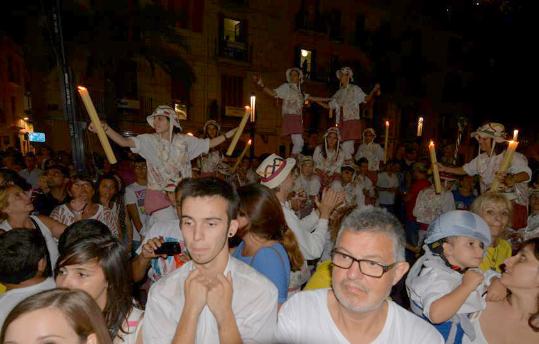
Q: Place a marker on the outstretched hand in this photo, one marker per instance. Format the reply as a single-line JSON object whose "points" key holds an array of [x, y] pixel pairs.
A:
{"points": [[93, 129]]}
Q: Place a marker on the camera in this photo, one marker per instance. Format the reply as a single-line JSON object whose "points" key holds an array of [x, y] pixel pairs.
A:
{"points": [[170, 248]]}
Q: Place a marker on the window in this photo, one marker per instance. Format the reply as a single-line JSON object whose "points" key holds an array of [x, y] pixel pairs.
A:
{"points": [[231, 92], [233, 40]]}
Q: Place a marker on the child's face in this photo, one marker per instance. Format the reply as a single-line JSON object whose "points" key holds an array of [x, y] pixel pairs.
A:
{"points": [[307, 169], [346, 176], [364, 168], [463, 251], [161, 124]]}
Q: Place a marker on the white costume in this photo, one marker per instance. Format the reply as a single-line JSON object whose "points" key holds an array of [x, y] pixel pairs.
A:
{"points": [[429, 205], [254, 304], [305, 318], [373, 152], [486, 167], [310, 186], [385, 180], [63, 214], [331, 164]]}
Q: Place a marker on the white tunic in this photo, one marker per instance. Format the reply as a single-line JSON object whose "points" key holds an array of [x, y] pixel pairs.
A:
{"points": [[331, 164], [311, 186], [208, 162], [254, 304], [292, 97], [168, 163], [348, 98], [486, 167], [305, 318], [429, 205], [373, 152]]}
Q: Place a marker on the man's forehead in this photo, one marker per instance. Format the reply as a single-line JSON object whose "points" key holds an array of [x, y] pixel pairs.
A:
{"points": [[201, 206], [366, 243]]}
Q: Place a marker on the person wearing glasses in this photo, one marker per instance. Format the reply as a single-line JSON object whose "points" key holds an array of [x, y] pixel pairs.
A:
{"points": [[368, 259]]}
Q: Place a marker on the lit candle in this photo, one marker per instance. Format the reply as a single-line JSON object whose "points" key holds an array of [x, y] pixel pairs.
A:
{"points": [[420, 126], [239, 131], [103, 139], [386, 142], [253, 108], [515, 135], [190, 134], [238, 162], [435, 172], [506, 162]]}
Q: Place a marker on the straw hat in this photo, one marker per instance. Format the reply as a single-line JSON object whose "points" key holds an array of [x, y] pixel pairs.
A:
{"points": [[345, 70], [496, 131], [294, 69], [167, 111], [274, 170]]}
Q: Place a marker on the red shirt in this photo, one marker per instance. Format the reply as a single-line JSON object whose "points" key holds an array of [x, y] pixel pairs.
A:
{"points": [[416, 187]]}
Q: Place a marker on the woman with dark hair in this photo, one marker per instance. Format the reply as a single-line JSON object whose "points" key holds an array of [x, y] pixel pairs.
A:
{"points": [[515, 319], [100, 267], [49, 316], [110, 195], [83, 206], [268, 245]]}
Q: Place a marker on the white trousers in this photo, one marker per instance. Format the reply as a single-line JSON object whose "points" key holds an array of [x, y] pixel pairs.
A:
{"points": [[297, 143]]}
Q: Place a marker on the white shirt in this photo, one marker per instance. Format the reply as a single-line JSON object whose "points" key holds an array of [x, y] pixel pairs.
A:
{"points": [[292, 97], [254, 304], [387, 181], [305, 318], [11, 298], [310, 186], [486, 167], [349, 98], [168, 162], [429, 205], [64, 215], [50, 241], [429, 279], [331, 164], [170, 231], [311, 232], [135, 194], [373, 152]]}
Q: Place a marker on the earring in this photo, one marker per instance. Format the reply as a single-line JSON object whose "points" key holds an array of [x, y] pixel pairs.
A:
{"points": [[230, 234]]}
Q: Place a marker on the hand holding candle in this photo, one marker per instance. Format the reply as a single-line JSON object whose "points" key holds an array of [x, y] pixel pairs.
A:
{"points": [[239, 131], [386, 141], [103, 139], [435, 171], [506, 162], [240, 158]]}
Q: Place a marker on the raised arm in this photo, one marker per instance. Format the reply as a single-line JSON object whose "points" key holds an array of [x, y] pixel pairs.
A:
{"points": [[258, 80], [375, 92], [113, 135], [216, 141]]}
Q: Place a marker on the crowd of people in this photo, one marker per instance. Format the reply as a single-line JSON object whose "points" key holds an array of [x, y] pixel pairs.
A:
{"points": [[178, 243]]}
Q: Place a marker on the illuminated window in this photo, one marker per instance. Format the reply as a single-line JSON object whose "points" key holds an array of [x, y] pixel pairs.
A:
{"points": [[306, 62]]}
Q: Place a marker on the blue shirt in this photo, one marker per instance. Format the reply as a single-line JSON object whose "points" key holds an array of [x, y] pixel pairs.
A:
{"points": [[271, 262], [462, 202]]}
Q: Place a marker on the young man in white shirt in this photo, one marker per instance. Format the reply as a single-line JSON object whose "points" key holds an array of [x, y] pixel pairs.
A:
{"points": [[387, 186], [135, 194], [214, 297], [368, 259], [24, 269]]}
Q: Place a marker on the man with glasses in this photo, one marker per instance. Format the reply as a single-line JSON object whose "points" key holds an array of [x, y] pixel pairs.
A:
{"points": [[368, 259]]}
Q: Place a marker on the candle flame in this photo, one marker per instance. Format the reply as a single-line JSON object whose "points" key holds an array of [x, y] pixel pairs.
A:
{"points": [[190, 134], [515, 135], [387, 123], [431, 143], [81, 88], [420, 119], [249, 142], [247, 107]]}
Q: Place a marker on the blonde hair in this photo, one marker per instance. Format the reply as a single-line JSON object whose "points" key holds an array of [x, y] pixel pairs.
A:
{"points": [[490, 197], [4, 195]]}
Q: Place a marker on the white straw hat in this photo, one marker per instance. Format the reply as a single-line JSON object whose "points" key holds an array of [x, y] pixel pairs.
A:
{"points": [[274, 170], [496, 131], [345, 70], [294, 69], [167, 111]]}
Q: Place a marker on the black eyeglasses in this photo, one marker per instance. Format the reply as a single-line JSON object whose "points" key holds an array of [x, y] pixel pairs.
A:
{"points": [[367, 267]]}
